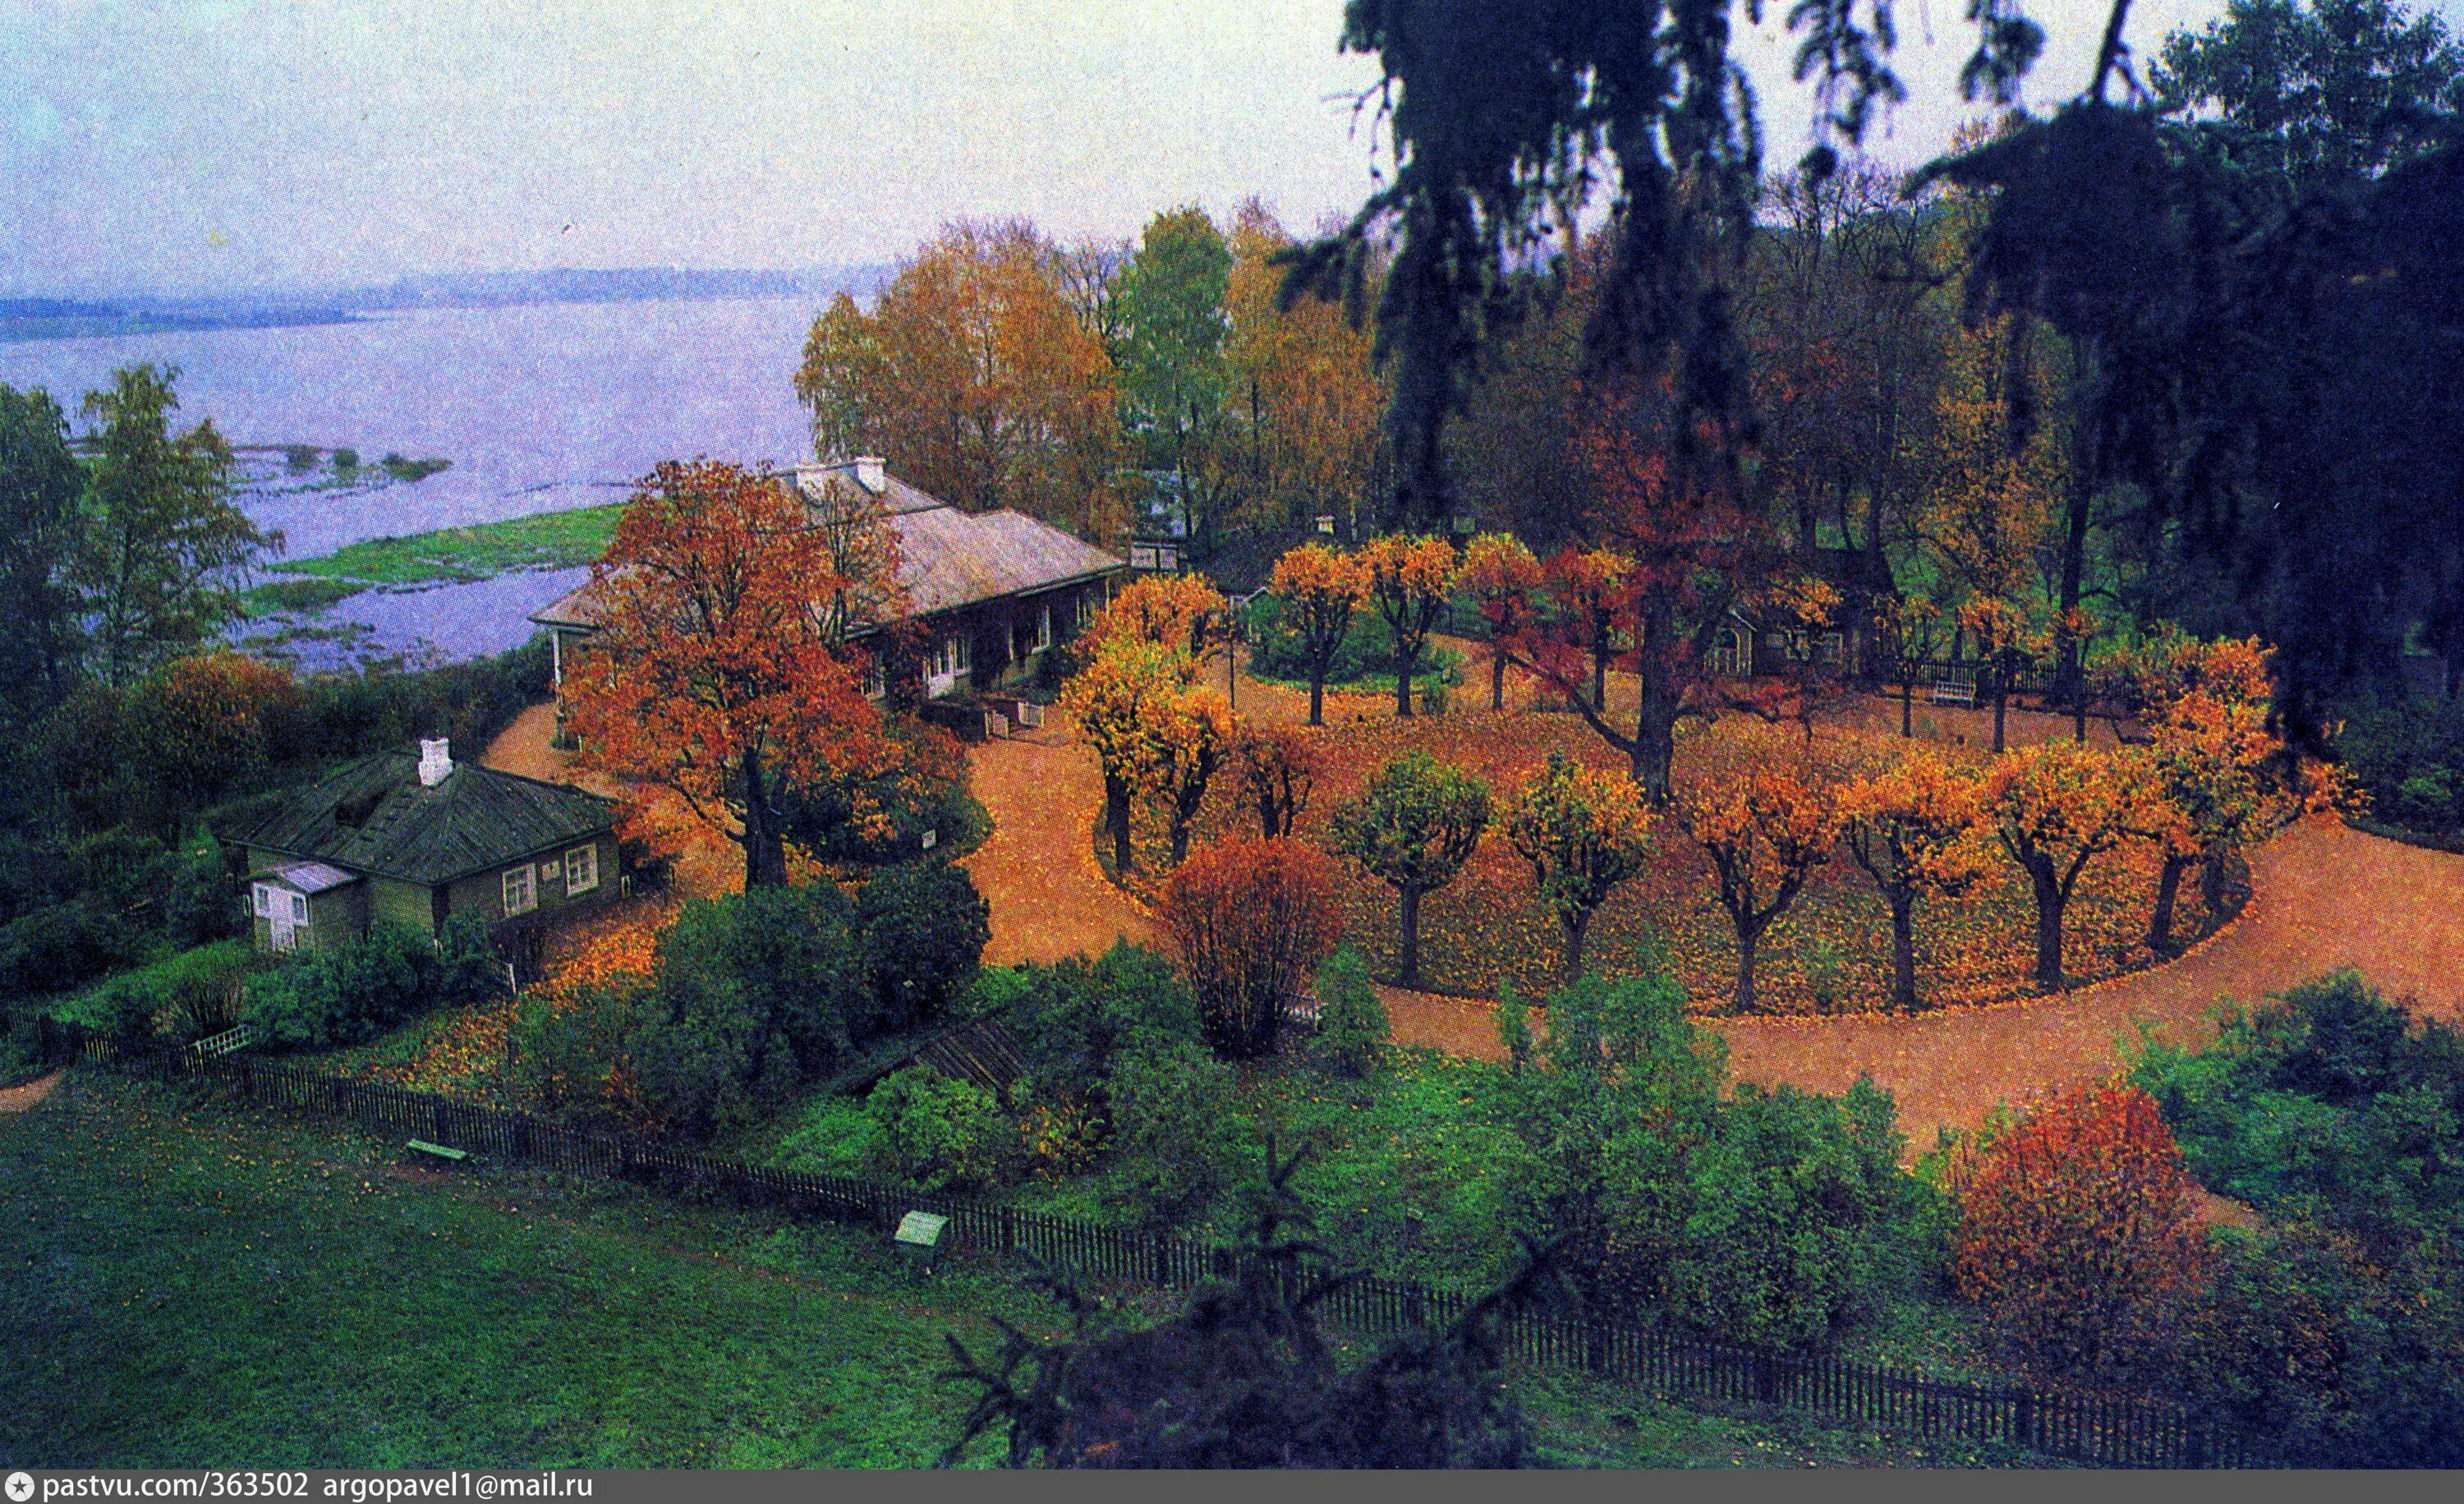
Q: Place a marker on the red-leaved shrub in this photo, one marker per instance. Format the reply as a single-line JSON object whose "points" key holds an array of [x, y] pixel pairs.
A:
{"points": [[1248, 919]]}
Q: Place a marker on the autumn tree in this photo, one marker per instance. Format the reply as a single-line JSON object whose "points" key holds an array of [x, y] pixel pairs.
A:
{"points": [[1303, 398], [1278, 771], [1587, 586], [209, 723], [1500, 574], [1917, 828], [1249, 920], [1179, 613], [1190, 738], [711, 672], [1413, 826], [1584, 832], [2077, 1233], [1914, 628], [1320, 590], [1114, 700], [2056, 807], [975, 379], [161, 540], [1766, 821], [1409, 580]]}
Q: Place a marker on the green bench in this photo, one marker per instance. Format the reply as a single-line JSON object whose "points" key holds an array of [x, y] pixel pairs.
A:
{"points": [[437, 1150]]}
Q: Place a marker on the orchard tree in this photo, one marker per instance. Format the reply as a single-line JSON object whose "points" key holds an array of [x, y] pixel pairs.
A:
{"points": [[161, 538], [1409, 580], [1413, 826], [1584, 832], [2077, 1233], [1190, 738], [1767, 822], [1116, 700], [1249, 920], [711, 672], [1278, 771], [1179, 613], [1500, 575], [1918, 828], [2056, 807], [1320, 589], [1587, 586]]}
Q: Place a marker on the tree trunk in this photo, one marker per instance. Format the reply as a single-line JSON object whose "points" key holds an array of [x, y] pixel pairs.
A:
{"points": [[1408, 972], [1575, 925], [1904, 952], [1749, 936], [765, 850], [1116, 820], [1317, 698], [1403, 666], [2049, 922], [2169, 884], [1600, 667], [1497, 680], [2212, 884]]}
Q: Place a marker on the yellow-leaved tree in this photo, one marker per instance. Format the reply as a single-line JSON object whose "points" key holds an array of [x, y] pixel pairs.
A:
{"points": [[1766, 821], [1584, 832], [1319, 589], [1917, 827], [2058, 805], [1410, 576]]}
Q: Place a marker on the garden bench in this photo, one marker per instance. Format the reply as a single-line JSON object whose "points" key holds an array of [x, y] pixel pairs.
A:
{"points": [[1953, 691], [437, 1150]]}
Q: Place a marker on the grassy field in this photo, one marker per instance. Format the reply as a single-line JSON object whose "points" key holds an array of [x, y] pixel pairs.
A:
{"points": [[188, 1286], [458, 555]]}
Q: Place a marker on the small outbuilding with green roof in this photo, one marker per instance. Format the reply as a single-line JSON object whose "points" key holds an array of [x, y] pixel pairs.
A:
{"points": [[417, 839]]}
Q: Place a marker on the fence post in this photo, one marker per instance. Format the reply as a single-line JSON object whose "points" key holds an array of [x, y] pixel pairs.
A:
{"points": [[2023, 1418]]}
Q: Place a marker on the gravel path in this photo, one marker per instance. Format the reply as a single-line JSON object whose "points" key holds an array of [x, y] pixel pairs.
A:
{"points": [[1038, 868]]}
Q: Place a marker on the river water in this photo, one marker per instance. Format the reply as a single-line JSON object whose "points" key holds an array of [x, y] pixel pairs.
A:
{"points": [[538, 407]]}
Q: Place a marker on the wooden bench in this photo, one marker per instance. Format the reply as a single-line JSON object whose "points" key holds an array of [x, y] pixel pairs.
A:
{"points": [[1952, 692], [437, 1150]]}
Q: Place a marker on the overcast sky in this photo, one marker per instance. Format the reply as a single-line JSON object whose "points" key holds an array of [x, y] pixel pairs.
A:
{"points": [[185, 145]]}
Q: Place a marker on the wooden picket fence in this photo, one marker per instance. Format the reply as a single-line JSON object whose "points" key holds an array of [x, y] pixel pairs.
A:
{"points": [[2101, 1430]]}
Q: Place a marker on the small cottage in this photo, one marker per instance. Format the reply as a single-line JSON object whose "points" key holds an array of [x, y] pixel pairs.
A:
{"points": [[418, 839], [1853, 643], [995, 591]]}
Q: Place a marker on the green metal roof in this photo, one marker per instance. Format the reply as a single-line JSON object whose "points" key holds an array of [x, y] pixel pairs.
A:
{"points": [[374, 816]]}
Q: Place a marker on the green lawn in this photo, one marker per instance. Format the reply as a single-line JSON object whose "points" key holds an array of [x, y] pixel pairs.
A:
{"points": [[455, 555], [189, 1285]]}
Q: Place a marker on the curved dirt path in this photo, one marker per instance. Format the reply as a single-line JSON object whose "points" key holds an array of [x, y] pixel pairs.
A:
{"points": [[1038, 870], [19, 1098], [2327, 896]]}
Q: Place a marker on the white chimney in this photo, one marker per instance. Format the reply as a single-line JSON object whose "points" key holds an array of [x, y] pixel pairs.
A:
{"points": [[869, 474], [436, 761]]}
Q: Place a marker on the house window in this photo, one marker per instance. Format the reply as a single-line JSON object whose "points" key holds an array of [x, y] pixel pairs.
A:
{"points": [[1043, 628], [299, 908], [521, 893], [264, 895], [580, 869]]}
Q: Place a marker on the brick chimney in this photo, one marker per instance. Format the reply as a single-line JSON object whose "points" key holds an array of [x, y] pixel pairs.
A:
{"points": [[435, 761]]}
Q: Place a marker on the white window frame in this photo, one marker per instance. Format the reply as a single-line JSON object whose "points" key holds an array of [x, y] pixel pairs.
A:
{"points": [[299, 908], [582, 858], [263, 892], [529, 887]]}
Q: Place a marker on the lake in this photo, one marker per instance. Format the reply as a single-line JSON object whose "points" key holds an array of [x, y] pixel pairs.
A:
{"points": [[538, 407]]}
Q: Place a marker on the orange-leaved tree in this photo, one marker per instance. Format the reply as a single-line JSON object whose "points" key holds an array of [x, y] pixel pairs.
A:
{"points": [[2056, 807], [1189, 737], [1499, 573], [1918, 828], [204, 722], [1115, 699], [1413, 826], [1177, 611], [1248, 919], [1583, 832], [1320, 590], [1588, 584], [1278, 771], [2077, 1235], [1410, 577], [712, 673], [1766, 821]]}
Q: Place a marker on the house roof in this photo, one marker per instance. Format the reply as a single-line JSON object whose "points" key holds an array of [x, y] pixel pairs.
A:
{"points": [[311, 877], [950, 557], [375, 816]]}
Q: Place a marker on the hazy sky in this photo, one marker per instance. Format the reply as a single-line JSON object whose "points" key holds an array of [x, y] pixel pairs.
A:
{"points": [[179, 144]]}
